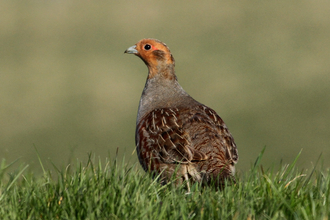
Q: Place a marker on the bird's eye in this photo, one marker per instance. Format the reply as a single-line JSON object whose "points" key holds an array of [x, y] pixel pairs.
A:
{"points": [[147, 47]]}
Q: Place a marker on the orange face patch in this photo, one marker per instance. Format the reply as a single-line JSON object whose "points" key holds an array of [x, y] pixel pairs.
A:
{"points": [[153, 47]]}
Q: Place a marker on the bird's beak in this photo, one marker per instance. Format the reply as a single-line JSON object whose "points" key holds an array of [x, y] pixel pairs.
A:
{"points": [[132, 50]]}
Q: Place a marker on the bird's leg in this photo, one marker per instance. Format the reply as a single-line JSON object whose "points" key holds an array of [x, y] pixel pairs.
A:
{"points": [[187, 180]]}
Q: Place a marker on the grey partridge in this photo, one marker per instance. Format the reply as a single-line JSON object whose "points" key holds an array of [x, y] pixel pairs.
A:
{"points": [[176, 135]]}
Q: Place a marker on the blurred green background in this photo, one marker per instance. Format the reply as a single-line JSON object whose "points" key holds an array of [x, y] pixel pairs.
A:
{"points": [[67, 88]]}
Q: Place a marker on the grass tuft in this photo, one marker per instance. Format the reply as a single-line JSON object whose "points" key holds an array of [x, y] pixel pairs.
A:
{"points": [[113, 190]]}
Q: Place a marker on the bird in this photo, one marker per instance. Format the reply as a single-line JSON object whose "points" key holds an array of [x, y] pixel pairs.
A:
{"points": [[178, 138]]}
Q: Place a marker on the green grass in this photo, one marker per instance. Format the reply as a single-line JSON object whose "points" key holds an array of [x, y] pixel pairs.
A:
{"points": [[114, 190]]}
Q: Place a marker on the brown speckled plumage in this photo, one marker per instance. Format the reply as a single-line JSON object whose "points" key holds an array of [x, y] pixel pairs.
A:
{"points": [[175, 134]]}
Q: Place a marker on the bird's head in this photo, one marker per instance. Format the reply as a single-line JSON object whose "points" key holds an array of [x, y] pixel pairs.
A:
{"points": [[156, 55]]}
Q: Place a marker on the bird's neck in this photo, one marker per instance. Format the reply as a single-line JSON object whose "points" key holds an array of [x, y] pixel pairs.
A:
{"points": [[162, 90], [162, 71]]}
